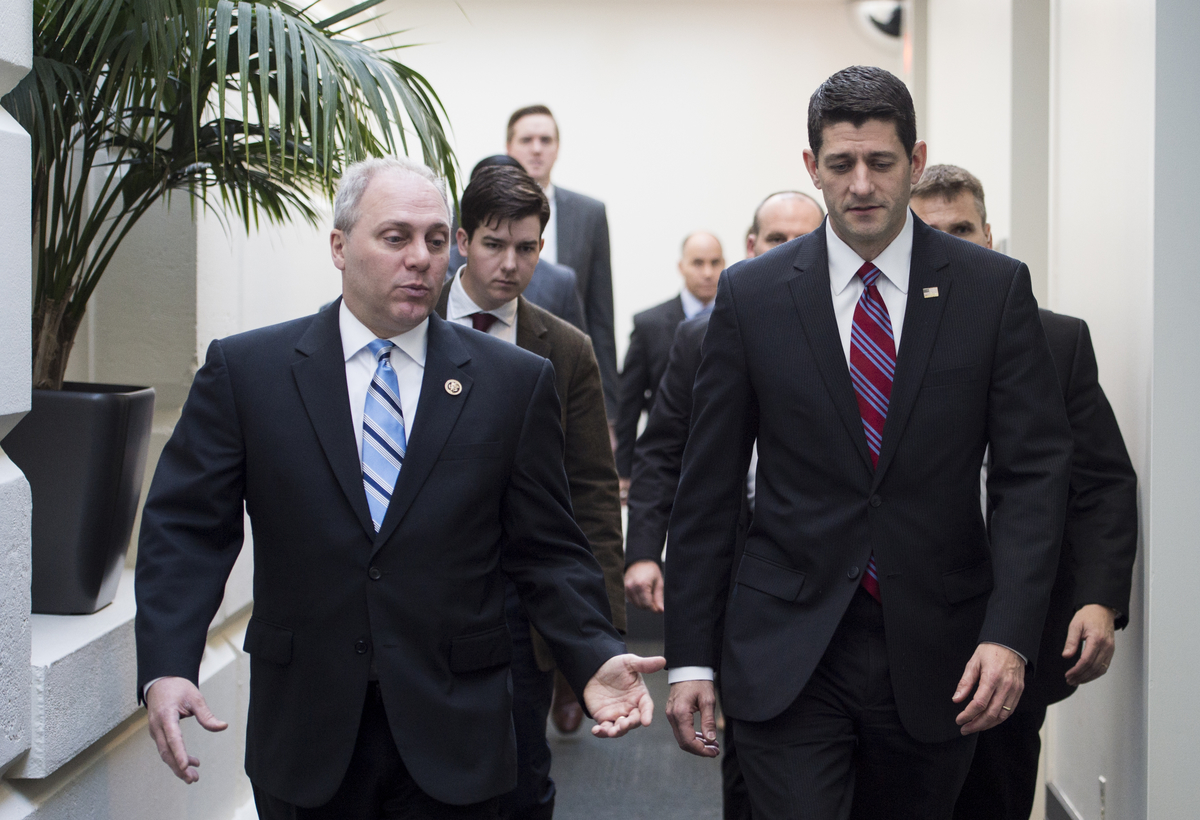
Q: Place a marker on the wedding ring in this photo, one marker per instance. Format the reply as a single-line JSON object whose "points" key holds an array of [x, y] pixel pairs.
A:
{"points": [[1006, 708]]}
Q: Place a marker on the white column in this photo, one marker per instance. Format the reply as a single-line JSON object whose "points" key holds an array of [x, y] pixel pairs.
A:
{"points": [[16, 56]]}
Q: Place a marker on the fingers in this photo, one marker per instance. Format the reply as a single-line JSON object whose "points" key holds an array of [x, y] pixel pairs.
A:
{"points": [[646, 666], [644, 585], [967, 682], [688, 698], [658, 604], [1074, 636], [996, 697], [206, 718], [1094, 661]]}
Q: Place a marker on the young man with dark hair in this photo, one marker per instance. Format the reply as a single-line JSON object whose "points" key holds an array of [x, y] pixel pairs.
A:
{"points": [[503, 214], [873, 624], [1090, 600], [575, 236]]}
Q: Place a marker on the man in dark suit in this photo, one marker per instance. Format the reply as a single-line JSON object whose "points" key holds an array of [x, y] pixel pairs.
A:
{"points": [[576, 236], [701, 261], [873, 627], [1090, 599], [503, 214], [658, 454], [552, 286], [397, 469]]}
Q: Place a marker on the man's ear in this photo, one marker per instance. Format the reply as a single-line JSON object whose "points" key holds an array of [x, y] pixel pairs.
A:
{"points": [[337, 248], [750, 240], [919, 155], [987, 234], [463, 242], [810, 162]]}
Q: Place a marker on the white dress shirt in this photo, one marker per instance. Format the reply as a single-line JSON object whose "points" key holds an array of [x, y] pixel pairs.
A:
{"points": [[692, 306], [460, 306], [550, 233], [409, 365]]}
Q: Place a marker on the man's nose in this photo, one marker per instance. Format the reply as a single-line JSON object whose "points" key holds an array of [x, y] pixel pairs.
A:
{"points": [[509, 261], [860, 180], [418, 255]]}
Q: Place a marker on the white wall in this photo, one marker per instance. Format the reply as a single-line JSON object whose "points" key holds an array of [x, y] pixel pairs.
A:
{"points": [[969, 96], [1102, 268]]}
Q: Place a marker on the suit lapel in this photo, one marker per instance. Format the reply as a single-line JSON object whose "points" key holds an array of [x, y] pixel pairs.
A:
{"points": [[321, 379], [531, 330], [929, 269], [437, 413], [568, 234], [810, 291]]}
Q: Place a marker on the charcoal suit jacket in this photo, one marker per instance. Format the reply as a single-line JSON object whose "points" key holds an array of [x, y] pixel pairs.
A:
{"points": [[645, 362], [482, 494], [1100, 537], [973, 369], [582, 237]]}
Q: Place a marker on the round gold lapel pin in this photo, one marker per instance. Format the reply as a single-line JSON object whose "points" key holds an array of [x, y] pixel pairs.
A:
{"points": [[453, 387]]}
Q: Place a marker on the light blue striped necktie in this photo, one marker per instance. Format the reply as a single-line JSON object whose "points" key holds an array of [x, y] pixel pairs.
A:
{"points": [[383, 438]]}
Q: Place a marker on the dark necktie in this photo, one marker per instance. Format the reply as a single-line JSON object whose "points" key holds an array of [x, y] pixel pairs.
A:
{"points": [[872, 368], [482, 321]]}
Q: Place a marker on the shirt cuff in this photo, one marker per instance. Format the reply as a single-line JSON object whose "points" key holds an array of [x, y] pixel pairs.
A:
{"points": [[1010, 649], [146, 688], [682, 673]]}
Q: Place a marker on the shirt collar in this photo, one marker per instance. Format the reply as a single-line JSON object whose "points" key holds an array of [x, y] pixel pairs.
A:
{"points": [[356, 336], [894, 262], [692, 307], [460, 305]]}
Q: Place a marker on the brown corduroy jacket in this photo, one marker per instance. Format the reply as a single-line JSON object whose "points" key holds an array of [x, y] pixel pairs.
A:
{"points": [[588, 458]]}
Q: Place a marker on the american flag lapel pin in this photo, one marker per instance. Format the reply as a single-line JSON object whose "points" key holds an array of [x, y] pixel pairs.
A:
{"points": [[929, 293]]}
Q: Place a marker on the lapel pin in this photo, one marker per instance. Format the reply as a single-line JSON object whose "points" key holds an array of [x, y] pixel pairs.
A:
{"points": [[930, 293], [453, 387]]}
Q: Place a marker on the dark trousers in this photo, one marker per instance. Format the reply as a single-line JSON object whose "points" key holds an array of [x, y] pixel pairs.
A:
{"points": [[533, 798], [1002, 781], [735, 799], [839, 751], [377, 786]]}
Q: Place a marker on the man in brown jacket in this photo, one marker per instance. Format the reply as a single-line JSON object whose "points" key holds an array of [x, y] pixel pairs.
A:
{"points": [[503, 214]]}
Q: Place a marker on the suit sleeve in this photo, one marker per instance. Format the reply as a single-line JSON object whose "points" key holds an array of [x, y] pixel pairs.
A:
{"points": [[598, 305], [546, 555], [191, 529], [635, 379], [658, 453], [1030, 440], [703, 531], [1102, 515], [592, 476]]}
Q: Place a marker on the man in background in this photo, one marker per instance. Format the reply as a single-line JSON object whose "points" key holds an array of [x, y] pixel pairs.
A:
{"points": [[658, 453], [1090, 599], [553, 287], [503, 215], [576, 236], [701, 261]]}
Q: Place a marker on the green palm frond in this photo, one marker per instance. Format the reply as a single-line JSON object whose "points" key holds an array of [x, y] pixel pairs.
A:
{"points": [[253, 107]]}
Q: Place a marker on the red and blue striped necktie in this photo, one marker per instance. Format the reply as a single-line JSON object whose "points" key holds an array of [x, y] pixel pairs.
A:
{"points": [[872, 368]]}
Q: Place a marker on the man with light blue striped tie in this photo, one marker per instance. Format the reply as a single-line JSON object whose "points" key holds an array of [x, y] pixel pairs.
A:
{"points": [[398, 470]]}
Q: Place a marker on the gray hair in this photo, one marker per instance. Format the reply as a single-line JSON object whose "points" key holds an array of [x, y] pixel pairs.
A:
{"points": [[357, 176]]}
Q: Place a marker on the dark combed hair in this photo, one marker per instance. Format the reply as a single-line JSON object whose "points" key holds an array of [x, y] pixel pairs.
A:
{"points": [[857, 94], [501, 193], [529, 111], [947, 182]]}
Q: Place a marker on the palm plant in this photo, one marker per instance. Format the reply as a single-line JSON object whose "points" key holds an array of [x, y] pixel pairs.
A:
{"points": [[251, 106]]}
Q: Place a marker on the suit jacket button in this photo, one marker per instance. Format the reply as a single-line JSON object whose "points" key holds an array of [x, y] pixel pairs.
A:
{"points": [[360, 647], [852, 573], [876, 501], [374, 573]]}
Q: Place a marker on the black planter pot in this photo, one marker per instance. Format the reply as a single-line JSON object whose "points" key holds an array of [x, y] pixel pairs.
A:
{"points": [[83, 449]]}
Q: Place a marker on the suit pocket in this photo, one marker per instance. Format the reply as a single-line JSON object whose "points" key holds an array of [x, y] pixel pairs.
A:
{"points": [[483, 449], [483, 650], [950, 375], [769, 577], [268, 642], [964, 584]]}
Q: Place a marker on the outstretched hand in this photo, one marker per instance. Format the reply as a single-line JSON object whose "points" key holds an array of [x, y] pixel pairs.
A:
{"points": [[617, 696], [168, 700]]}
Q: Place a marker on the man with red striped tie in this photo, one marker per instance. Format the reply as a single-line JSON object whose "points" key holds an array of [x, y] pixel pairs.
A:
{"points": [[872, 624]]}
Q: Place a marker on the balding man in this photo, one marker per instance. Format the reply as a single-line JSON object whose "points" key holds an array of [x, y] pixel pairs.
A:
{"points": [[658, 454], [700, 264]]}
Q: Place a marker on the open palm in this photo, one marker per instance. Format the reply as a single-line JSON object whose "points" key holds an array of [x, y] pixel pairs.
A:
{"points": [[617, 696]]}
